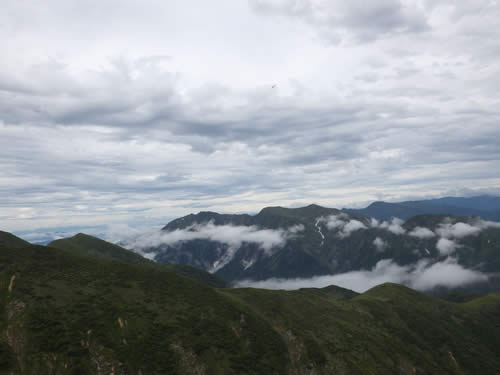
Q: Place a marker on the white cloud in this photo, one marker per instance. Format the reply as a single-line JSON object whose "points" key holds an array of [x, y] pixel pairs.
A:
{"points": [[422, 233], [446, 246], [352, 226], [380, 244], [231, 235], [334, 221], [448, 230], [457, 230], [447, 274], [342, 223], [394, 226], [421, 276]]}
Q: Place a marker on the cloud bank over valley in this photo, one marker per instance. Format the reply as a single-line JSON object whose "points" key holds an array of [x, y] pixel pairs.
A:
{"points": [[423, 276]]}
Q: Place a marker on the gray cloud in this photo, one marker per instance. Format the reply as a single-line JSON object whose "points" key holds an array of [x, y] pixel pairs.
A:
{"points": [[421, 276], [137, 114], [357, 20]]}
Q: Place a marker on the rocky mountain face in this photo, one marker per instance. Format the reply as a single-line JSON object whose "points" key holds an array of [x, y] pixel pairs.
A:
{"points": [[309, 241]]}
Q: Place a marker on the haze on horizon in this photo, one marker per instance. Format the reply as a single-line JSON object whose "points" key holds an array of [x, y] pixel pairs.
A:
{"points": [[128, 113]]}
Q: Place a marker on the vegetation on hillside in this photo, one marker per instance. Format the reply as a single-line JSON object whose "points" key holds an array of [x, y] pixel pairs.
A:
{"points": [[64, 313]]}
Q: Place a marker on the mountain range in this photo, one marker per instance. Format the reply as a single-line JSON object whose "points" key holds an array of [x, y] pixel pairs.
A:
{"points": [[312, 241], [82, 306], [484, 206]]}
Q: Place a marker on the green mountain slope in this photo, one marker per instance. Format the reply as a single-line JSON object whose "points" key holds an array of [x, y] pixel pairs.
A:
{"points": [[84, 244], [63, 313], [92, 246], [8, 239]]}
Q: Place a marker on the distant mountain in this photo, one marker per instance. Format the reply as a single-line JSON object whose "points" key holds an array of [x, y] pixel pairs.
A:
{"points": [[84, 244], [486, 207], [311, 241], [66, 313]]}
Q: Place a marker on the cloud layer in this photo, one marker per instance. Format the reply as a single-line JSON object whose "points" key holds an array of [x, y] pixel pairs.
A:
{"points": [[422, 276], [268, 240], [342, 224], [127, 113]]}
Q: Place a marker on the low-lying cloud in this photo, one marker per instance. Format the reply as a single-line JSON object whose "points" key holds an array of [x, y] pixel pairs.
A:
{"points": [[380, 244], [232, 235], [461, 230], [343, 224], [422, 276], [450, 233], [394, 226], [422, 233], [446, 246], [457, 230]]}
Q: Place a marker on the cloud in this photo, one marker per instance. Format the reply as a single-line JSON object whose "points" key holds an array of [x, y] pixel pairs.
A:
{"points": [[460, 229], [448, 274], [162, 128], [457, 230], [342, 223], [421, 276], [380, 244], [394, 226], [354, 20], [231, 235], [422, 233], [446, 246]]}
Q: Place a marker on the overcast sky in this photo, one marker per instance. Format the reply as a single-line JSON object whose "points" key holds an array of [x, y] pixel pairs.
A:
{"points": [[131, 113]]}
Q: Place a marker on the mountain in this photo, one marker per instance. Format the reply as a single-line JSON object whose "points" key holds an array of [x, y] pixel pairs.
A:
{"points": [[67, 313], [93, 246], [310, 241], [84, 244], [8, 239], [486, 207]]}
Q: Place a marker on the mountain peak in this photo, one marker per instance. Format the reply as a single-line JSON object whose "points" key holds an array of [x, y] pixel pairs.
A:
{"points": [[8, 239]]}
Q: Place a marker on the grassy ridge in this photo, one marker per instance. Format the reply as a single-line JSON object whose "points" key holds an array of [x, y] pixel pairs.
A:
{"points": [[84, 244], [70, 314], [64, 313]]}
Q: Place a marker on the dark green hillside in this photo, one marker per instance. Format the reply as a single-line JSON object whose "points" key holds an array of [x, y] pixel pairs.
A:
{"points": [[199, 275], [67, 314], [8, 239], [63, 313], [388, 330], [91, 246]]}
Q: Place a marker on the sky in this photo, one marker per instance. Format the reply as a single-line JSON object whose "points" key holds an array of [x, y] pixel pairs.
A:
{"points": [[121, 115]]}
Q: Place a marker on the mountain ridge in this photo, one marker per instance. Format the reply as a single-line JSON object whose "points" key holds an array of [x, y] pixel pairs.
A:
{"points": [[312, 241], [457, 206], [66, 313]]}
